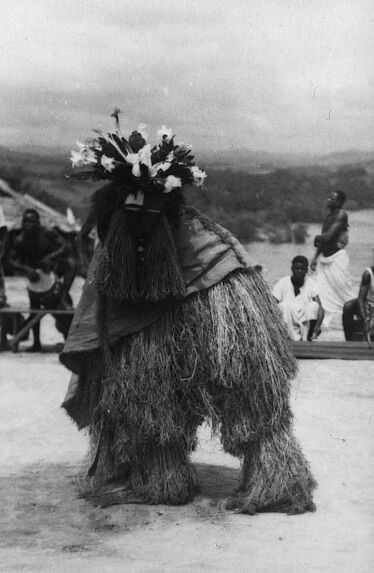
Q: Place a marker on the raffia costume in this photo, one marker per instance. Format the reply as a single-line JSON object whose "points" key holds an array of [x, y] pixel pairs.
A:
{"points": [[194, 335]]}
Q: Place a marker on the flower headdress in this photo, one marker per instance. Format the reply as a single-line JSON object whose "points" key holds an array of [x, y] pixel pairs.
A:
{"points": [[138, 211], [135, 164]]}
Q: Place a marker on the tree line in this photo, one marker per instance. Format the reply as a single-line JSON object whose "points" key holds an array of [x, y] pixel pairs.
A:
{"points": [[251, 205], [248, 203]]}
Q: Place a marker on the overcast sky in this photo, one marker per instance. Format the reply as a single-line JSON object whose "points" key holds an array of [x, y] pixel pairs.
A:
{"points": [[275, 75]]}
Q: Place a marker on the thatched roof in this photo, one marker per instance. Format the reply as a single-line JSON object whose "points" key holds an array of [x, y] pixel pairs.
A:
{"points": [[14, 204]]}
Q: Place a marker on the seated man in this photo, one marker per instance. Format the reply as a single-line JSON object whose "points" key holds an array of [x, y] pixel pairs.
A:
{"points": [[299, 302], [41, 254], [361, 307]]}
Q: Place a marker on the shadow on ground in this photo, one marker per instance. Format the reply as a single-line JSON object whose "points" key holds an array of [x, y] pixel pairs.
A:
{"points": [[42, 508]]}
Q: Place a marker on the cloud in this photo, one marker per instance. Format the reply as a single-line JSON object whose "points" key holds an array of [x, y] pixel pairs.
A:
{"points": [[255, 74]]}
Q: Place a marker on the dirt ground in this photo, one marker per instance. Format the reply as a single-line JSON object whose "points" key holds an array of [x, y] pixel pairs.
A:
{"points": [[46, 527]]}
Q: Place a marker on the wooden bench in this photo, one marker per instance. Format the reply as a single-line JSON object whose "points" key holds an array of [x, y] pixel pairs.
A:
{"points": [[18, 335], [334, 349]]}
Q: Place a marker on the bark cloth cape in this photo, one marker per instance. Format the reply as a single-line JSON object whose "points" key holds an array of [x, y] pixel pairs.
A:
{"points": [[220, 354]]}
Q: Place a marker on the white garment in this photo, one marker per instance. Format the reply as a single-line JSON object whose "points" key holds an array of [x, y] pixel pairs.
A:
{"points": [[2, 218], [298, 310], [334, 281]]}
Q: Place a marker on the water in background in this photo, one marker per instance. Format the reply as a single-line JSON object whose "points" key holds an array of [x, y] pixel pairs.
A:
{"points": [[276, 259]]}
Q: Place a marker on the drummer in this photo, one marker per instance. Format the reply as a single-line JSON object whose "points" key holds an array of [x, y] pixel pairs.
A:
{"points": [[37, 252]]}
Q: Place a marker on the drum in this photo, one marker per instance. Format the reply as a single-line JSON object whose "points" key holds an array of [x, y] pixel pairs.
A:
{"points": [[47, 290]]}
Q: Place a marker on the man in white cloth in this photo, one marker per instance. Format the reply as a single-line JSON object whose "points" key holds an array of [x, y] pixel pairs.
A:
{"points": [[299, 302], [333, 276]]}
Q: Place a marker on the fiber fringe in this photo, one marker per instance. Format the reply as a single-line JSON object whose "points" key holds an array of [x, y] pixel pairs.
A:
{"points": [[275, 477], [221, 356], [115, 274], [160, 276], [122, 274]]}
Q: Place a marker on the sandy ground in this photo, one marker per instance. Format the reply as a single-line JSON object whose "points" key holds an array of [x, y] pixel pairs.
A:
{"points": [[46, 527]]}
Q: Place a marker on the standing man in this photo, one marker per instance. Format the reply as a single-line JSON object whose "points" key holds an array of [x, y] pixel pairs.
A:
{"points": [[36, 252], [3, 238], [362, 307], [299, 302], [333, 277]]}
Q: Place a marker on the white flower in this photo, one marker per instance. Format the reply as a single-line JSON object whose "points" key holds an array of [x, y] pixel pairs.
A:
{"points": [[89, 157], [171, 182], [92, 144], [145, 155], [76, 158], [89, 147], [142, 130], [82, 146], [132, 158], [136, 170], [198, 175], [85, 156], [107, 163], [161, 166], [165, 133]]}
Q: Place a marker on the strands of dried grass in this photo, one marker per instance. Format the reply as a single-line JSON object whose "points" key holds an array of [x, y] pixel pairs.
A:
{"points": [[115, 274], [221, 355], [160, 276], [127, 275], [275, 476]]}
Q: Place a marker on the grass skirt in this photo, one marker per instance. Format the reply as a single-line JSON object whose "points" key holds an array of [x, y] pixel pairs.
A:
{"points": [[221, 356]]}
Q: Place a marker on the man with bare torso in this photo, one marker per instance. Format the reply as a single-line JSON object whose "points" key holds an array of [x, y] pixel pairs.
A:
{"points": [[3, 237], [334, 234], [361, 307], [38, 251], [331, 259]]}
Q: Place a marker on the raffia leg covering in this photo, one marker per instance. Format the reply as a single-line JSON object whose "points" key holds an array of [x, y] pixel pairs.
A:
{"points": [[151, 474], [163, 475], [148, 473], [275, 477]]}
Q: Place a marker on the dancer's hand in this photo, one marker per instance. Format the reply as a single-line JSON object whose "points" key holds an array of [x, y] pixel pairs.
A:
{"points": [[33, 276], [316, 333]]}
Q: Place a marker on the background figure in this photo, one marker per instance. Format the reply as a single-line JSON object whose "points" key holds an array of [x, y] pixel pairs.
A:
{"points": [[3, 238], [299, 302], [361, 308], [43, 256], [333, 276]]}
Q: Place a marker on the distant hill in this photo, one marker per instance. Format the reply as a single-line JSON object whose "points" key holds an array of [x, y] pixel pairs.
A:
{"points": [[245, 189], [242, 159], [263, 161]]}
